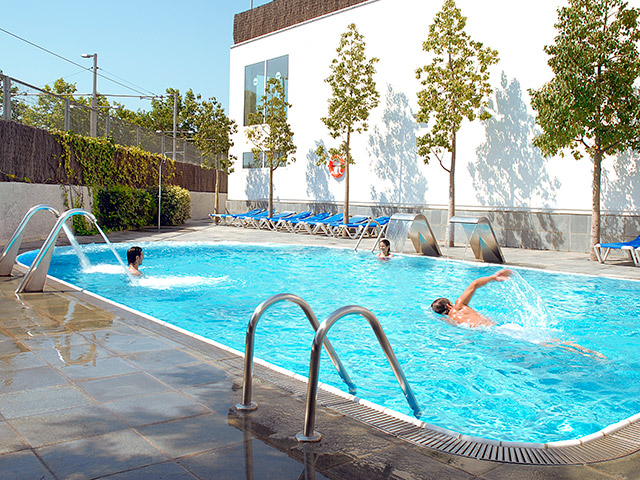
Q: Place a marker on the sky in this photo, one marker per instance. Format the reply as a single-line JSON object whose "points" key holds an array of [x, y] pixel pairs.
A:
{"points": [[148, 46]]}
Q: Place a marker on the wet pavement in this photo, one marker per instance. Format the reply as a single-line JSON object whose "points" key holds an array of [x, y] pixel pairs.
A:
{"points": [[91, 391]]}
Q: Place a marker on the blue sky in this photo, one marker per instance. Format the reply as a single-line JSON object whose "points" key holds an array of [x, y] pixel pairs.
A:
{"points": [[151, 44]]}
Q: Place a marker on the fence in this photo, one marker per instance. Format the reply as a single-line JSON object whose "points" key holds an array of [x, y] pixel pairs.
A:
{"points": [[24, 103]]}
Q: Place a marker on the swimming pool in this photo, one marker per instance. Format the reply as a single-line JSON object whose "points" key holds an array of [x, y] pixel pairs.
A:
{"points": [[479, 382]]}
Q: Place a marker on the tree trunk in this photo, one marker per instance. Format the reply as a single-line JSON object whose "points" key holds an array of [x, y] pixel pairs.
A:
{"points": [[216, 202], [452, 191], [595, 210], [346, 180], [270, 211]]}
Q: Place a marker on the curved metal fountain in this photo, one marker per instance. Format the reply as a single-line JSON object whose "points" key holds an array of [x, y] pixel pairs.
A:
{"points": [[8, 257], [36, 277]]}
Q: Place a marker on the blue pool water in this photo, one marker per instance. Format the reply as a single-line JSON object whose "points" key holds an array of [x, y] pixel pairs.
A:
{"points": [[495, 383]]}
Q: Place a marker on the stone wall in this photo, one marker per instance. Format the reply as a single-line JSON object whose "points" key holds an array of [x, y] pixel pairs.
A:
{"points": [[280, 14]]}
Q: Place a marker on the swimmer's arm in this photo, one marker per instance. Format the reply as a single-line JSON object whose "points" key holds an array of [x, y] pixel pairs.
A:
{"points": [[467, 295]]}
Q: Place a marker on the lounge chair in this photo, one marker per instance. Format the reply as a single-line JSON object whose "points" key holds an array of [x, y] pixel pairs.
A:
{"points": [[282, 223], [309, 224], [292, 225], [269, 222], [602, 250], [228, 217], [315, 227], [374, 227], [351, 229], [252, 220]]}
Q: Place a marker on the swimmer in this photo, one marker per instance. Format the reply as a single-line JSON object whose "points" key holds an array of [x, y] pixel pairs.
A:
{"points": [[385, 249], [135, 257], [460, 313]]}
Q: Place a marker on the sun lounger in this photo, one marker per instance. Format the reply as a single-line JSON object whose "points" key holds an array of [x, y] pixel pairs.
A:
{"points": [[252, 220], [602, 250], [228, 217], [309, 224], [292, 225], [353, 228], [283, 223], [270, 222], [320, 226]]}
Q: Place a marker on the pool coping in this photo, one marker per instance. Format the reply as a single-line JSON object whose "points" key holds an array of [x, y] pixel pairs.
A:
{"points": [[614, 441]]}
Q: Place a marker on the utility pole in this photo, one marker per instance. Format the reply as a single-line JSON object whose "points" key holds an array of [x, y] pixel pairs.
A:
{"points": [[93, 129], [175, 123]]}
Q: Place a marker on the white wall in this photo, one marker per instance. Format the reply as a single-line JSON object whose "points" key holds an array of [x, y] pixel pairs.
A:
{"points": [[497, 165]]}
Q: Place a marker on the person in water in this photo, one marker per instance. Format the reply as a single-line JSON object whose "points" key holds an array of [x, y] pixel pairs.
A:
{"points": [[385, 249], [135, 257], [460, 313]]}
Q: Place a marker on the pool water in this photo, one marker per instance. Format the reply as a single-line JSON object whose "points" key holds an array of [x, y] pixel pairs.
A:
{"points": [[503, 384]]}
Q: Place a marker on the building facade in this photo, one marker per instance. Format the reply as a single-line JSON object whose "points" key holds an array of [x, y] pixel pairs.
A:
{"points": [[532, 201]]}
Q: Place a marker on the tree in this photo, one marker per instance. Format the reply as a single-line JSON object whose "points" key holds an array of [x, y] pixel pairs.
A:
{"points": [[591, 104], [271, 133], [354, 95], [457, 87], [213, 138]]}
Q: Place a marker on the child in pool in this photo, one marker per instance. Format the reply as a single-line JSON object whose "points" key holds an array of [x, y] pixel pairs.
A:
{"points": [[385, 249], [135, 257]]}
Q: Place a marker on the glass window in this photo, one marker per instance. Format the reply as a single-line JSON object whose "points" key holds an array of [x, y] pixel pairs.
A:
{"points": [[279, 68], [253, 88], [249, 161]]}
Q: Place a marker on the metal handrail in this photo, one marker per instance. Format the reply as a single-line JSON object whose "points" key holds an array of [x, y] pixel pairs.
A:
{"points": [[8, 257], [247, 404], [307, 434], [373, 220]]}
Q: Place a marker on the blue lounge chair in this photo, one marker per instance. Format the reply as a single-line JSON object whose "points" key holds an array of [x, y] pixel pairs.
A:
{"points": [[293, 225], [283, 223], [228, 217], [602, 250], [338, 228], [374, 227], [315, 227], [252, 220], [268, 222]]}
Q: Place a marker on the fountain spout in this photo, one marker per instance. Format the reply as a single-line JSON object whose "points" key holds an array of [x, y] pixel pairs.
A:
{"points": [[36, 277], [8, 257]]}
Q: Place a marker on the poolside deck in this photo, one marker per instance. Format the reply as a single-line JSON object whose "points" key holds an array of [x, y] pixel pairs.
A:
{"points": [[89, 391]]}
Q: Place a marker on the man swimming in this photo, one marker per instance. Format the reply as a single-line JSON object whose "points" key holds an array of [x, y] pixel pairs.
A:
{"points": [[135, 257], [460, 313]]}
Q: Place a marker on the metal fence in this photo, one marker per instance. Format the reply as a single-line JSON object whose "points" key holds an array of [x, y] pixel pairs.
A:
{"points": [[24, 103]]}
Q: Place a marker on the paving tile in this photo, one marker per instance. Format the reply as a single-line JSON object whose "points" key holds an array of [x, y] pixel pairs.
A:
{"points": [[159, 471], [122, 386], [192, 435], [161, 407], [22, 466], [159, 359], [98, 456], [29, 378], [98, 367], [549, 472], [131, 343], [191, 375], [41, 400], [251, 459], [9, 440], [65, 425], [62, 354], [19, 359], [52, 341]]}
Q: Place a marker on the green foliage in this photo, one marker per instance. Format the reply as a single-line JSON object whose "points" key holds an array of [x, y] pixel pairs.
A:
{"points": [[591, 103], [456, 82], [270, 131], [175, 207], [213, 138], [122, 207], [354, 93]]}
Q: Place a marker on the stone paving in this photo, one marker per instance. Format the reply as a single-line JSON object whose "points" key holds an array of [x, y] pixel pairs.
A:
{"points": [[91, 391]]}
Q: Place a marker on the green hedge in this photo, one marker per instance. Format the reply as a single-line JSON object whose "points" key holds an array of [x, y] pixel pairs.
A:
{"points": [[122, 208], [176, 204]]}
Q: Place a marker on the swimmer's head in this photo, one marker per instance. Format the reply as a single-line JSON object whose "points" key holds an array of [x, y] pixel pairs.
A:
{"points": [[385, 246], [132, 254], [441, 305]]}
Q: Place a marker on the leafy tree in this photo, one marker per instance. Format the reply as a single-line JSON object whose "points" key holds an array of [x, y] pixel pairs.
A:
{"points": [[213, 138], [457, 87], [354, 95], [591, 104], [271, 133], [160, 117]]}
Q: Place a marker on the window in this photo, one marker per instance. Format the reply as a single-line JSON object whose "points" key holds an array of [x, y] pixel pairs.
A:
{"points": [[249, 161], [255, 79]]}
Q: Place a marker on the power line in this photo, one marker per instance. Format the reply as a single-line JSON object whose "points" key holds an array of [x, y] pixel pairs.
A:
{"points": [[89, 69]]}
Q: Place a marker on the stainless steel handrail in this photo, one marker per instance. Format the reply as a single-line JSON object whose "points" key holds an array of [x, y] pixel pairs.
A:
{"points": [[247, 404], [373, 220], [36, 277], [8, 257], [307, 434]]}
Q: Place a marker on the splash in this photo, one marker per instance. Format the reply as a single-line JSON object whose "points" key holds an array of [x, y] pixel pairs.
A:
{"points": [[530, 310], [170, 282]]}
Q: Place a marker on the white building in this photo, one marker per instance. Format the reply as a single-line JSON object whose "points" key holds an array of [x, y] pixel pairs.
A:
{"points": [[532, 201]]}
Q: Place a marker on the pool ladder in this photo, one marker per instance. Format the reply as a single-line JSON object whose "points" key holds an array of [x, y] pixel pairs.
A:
{"points": [[308, 434]]}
